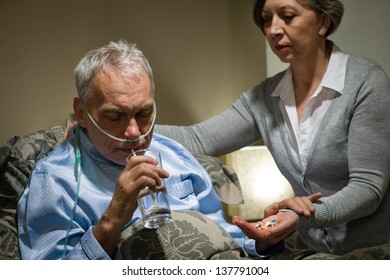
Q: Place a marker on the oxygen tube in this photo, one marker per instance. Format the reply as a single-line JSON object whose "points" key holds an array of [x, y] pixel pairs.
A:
{"points": [[78, 180]]}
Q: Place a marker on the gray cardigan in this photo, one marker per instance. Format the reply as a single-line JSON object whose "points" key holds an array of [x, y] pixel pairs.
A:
{"points": [[349, 161]]}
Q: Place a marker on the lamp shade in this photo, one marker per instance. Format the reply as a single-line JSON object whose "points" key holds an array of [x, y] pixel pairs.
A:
{"points": [[260, 179]]}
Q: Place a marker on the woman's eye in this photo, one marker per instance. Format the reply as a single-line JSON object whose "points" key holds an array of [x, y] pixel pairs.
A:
{"points": [[288, 17], [266, 18]]}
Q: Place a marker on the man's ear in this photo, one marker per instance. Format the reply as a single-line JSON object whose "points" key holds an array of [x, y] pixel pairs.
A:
{"points": [[79, 111]]}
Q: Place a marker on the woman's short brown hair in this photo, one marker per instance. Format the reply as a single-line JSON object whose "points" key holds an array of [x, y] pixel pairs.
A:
{"points": [[334, 9]]}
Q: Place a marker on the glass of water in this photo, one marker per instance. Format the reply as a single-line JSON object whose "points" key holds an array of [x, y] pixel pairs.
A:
{"points": [[154, 205]]}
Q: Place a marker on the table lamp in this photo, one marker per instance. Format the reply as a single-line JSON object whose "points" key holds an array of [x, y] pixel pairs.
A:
{"points": [[260, 179]]}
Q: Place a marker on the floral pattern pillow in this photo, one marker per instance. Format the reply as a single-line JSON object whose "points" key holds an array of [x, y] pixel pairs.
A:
{"points": [[190, 236]]}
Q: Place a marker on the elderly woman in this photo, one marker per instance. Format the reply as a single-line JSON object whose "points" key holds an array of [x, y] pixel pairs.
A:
{"points": [[326, 122]]}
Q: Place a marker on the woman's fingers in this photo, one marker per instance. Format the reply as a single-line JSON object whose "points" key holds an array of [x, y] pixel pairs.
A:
{"points": [[302, 205]]}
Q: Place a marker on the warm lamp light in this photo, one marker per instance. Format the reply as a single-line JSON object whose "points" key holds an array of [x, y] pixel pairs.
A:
{"points": [[260, 179]]}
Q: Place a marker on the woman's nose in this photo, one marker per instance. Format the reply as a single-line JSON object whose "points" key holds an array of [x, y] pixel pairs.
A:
{"points": [[276, 26]]}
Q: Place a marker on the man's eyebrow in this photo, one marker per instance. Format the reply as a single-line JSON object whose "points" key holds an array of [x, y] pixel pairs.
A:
{"points": [[147, 107], [119, 111], [110, 110]]}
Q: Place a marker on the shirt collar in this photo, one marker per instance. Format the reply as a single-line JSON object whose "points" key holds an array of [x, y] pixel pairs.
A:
{"points": [[110, 168], [284, 88], [334, 77]]}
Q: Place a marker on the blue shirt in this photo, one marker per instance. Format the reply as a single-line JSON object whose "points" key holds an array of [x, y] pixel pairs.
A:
{"points": [[46, 205]]}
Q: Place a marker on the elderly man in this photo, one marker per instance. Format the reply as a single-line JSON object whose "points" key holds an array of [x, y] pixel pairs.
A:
{"points": [[81, 197]]}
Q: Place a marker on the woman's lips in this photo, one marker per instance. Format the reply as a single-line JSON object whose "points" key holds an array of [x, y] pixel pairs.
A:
{"points": [[281, 48]]}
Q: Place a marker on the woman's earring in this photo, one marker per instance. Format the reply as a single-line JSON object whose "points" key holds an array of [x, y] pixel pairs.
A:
{"points": [[322, 31]]}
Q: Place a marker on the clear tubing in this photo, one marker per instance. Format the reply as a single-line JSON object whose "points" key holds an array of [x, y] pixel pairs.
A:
{"points": [[127, 140], [76, 199]]}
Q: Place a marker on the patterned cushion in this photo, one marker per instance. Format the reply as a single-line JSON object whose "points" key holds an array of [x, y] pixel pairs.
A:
{"points": [[190, 236], [17, 157], [224, 179]]}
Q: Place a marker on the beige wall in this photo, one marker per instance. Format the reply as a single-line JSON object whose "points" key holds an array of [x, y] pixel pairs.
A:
{"points": [[204, 54]]}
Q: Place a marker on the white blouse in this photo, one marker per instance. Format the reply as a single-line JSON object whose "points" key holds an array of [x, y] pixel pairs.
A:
{"points": [[301, 134]]}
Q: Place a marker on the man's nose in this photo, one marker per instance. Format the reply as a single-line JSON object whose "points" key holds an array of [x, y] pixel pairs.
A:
{"points": [[132, 130]]}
